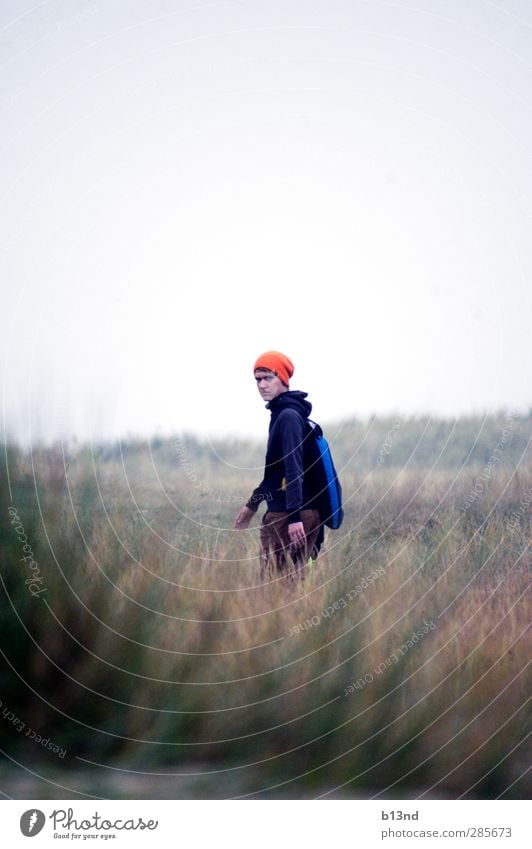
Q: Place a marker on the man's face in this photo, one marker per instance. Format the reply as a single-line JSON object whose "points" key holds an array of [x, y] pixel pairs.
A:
{"points": [[268, 384]]}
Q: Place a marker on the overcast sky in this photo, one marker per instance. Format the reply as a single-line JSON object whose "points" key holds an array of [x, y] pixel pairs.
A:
{"points": [[187, 184]]}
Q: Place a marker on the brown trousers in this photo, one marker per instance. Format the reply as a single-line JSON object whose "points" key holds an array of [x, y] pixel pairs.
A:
{"points": [[275, 542]]}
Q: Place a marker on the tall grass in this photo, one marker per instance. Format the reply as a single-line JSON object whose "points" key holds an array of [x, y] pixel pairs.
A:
{"points": [[396, 668]]}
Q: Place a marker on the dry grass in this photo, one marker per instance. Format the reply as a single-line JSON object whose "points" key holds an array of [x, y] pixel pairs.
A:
{"points": [[157, 648]]}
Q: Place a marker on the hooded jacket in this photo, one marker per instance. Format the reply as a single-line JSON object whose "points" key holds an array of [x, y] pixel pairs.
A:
{"points": [[285, 487]]}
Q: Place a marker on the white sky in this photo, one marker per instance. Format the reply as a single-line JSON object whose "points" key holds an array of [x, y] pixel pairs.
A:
{"points": [[184, 185]]}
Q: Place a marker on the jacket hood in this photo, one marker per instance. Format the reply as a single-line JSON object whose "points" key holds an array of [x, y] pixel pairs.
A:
{"points": [[292, 398]]}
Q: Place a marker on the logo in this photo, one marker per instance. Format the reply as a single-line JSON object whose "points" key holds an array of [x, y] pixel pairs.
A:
{"points": [[31, 822]]}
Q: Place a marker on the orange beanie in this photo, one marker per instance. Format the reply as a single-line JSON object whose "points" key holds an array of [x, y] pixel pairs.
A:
{"points": [[274, 361]]}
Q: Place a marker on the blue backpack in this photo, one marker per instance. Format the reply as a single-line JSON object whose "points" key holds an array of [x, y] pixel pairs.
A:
{"points": [[320, 471]]}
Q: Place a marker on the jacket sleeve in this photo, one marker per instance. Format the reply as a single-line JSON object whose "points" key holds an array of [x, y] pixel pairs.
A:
{"points": [[292, 436], [257, 496]]}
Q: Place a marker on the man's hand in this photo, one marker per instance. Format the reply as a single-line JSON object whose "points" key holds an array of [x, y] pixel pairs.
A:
{"points": [[244, 517], [296, 532]]}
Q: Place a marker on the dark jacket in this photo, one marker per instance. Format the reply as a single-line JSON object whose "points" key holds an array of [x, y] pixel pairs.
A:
{"points": [[285, 486]]}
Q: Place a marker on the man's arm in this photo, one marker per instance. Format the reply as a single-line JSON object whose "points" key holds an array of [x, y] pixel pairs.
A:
{"points": [[292, 436], [257, 496], [246, 513]]}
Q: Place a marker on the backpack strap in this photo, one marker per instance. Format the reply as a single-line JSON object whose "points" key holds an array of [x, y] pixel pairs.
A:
{"points": [[315, 427]]}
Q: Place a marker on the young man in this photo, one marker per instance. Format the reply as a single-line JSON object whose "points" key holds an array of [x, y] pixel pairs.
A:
{"points": [[291, 523]]}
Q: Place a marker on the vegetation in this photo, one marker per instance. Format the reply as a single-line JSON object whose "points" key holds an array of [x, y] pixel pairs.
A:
{"points": [[138, 638]]}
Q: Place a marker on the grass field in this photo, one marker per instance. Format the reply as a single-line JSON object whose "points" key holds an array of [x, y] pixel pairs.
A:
{"points": [[143, 657]]}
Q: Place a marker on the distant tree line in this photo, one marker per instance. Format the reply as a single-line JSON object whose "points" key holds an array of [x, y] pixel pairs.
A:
{"points": [[361, 445]]}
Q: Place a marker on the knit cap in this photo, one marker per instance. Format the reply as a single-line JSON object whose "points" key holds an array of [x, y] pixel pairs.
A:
{"points": [[279, 363]]}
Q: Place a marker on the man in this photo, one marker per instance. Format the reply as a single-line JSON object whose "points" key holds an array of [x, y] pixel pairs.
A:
{"points": [[291, 523]]}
